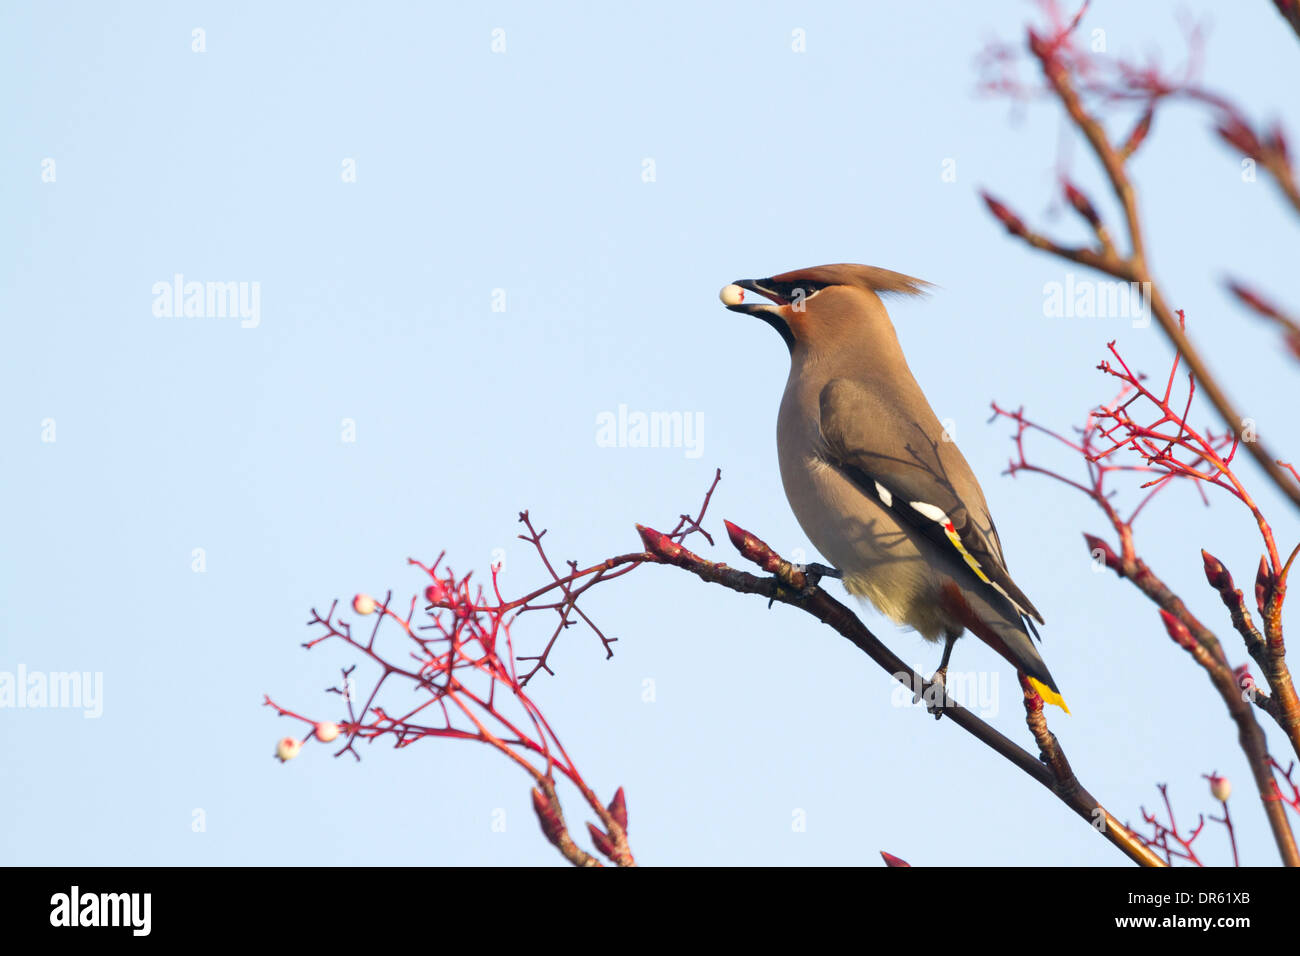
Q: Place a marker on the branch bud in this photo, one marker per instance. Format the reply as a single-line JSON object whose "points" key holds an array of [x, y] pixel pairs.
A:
{"points": [[1253, 300], [1277, 143], [603, 843], [1082, 205], [1263, 585], [1245, 679], [1216, 573], [1177, 630], [552, 825], [659, 544], [1046, 54], [755, 549], [1236, 133], [1004, 216], [1101, 551], [618, 809], [1139, 133]]}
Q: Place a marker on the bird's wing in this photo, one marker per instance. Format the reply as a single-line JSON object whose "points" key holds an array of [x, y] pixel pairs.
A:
{"points": [[903, 460]]}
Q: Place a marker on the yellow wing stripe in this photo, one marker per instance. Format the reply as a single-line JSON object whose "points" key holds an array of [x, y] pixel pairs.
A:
{"points": [[950, 532], [956, 543], [936, 514]]}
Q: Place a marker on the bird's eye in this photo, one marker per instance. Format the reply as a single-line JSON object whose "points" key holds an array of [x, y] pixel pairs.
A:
{"points": [[801, 292], [796, 291]]}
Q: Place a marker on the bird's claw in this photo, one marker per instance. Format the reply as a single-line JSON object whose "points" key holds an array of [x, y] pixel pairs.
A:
{"points": [[936, 695], [813, 574]]}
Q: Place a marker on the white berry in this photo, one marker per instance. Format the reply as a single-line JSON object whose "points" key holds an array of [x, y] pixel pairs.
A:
{"points": [[1220, 788], [287, 748], [732, 294]]}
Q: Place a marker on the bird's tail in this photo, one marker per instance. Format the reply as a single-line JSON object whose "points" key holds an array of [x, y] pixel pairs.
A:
{"points": [[1009, 635], [1018, 648], [1049, 694], [1015, 644]]}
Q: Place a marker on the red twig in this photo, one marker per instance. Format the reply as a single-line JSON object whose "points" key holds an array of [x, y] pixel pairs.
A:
{"points": [[1291, 800], [1166, 838], [460, 661], [1174, 844], [577, 582], [1086, 85], [1146, 432]]}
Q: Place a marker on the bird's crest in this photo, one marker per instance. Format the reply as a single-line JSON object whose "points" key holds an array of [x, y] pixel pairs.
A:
{"points": [[879, 281]]}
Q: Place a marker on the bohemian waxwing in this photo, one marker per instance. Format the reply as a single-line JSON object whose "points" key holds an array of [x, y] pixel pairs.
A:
{"points": [[876, 482]]}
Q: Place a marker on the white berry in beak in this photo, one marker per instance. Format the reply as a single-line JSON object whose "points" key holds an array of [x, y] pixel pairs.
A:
{"points": [[732, 294]]}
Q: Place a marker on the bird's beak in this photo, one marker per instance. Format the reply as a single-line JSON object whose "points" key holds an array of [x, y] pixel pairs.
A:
{"points": [[733, 296]]}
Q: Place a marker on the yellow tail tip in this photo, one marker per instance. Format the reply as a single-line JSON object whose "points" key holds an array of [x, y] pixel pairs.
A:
{"points": [[1049, 696]]}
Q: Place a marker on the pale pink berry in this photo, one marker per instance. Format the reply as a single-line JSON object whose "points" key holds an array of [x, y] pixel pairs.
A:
{"points": [[326, 731], [363, 604], [1220, 788], [288, 748]]}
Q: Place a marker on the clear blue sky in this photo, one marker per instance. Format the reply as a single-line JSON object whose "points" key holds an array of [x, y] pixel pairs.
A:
{"points": [[522, 171]]}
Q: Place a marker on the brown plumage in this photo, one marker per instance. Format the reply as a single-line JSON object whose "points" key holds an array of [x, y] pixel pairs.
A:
{"points": [[873, 478]]}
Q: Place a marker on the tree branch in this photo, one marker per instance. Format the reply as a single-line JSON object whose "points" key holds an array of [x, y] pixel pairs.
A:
{"points": [[1048, 50], [790, 585]]}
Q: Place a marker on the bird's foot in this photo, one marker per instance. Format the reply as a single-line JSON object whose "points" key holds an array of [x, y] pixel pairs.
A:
{"points": [[936, 695], [813, 574]]}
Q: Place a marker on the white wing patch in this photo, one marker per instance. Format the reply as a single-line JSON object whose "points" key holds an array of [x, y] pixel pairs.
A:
{"points": [[933, 512], [885, 496], [939, 517]]}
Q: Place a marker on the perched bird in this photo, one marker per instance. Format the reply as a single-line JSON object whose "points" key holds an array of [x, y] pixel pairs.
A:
{"points": [[875, 480]]}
